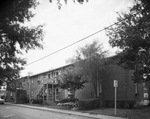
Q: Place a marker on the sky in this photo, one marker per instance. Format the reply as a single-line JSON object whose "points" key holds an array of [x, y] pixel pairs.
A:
{"points": [[67, 25]]}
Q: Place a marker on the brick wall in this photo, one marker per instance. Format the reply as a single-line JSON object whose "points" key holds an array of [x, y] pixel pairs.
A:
{"points": [[86, 93], [126, 88]]}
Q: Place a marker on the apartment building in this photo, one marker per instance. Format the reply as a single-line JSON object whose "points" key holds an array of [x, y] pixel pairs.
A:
{"points": [[44, 86]]}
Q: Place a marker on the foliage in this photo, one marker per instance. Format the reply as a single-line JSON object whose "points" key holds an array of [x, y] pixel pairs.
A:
{"points": [[15, 37], [90, 60], [89, 104], [80, 104], [146, 5], [126, 104], [37, 101], [80, 1], [12, 85], [1, 83], [71, 80], [132, 36], [23, 99], [68, 104], [59, 2], [68, 100]]}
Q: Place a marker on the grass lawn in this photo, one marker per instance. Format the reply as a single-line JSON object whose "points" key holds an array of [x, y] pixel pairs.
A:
{"points": [[137, 113]]}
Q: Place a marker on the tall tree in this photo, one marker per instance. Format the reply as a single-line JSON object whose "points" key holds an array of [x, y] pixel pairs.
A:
{"points": [[89, 60], [15, 37], [132, 35]]}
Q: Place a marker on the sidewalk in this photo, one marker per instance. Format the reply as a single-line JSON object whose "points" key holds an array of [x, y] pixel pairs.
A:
{"points": [[85, 114]]}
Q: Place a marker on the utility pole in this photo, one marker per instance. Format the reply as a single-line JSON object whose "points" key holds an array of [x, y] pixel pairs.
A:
{"points": [[115, 86], [43, 93], [29, 88], [53, 93], [29, 74]]}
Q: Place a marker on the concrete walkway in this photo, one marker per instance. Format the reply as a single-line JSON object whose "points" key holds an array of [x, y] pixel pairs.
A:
{"points": [[96, 116]]}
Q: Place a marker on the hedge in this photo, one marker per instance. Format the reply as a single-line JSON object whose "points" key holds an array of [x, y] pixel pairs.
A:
{"points": [[121, 103]]}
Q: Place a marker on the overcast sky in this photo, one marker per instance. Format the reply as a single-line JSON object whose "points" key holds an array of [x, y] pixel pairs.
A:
{"points": [[68, 25]]}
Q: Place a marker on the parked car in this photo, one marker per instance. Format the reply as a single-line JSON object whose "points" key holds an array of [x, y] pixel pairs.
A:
{"points": [[2, 101]]}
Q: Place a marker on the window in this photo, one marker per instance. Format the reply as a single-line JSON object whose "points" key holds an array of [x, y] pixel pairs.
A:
{"points": [[38, 82], [55, 80], [49, 76], [59, 72], [56, 73]]}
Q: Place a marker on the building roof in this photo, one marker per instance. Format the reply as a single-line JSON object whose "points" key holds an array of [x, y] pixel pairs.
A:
{"points": [[110, 60], [48, 71]]}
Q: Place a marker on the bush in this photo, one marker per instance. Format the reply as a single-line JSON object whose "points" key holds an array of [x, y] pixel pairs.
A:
{"points": [[23, 99], [86, 104], [89, 104], [68, 100], [26, 100], [37, 101], [121, 104]]}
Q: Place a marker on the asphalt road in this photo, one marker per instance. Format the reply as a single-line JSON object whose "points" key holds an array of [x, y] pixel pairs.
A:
{"points": [[14, 112]]}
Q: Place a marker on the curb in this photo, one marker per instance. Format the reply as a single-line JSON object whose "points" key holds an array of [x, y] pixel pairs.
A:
{"points": [[95, 116]]}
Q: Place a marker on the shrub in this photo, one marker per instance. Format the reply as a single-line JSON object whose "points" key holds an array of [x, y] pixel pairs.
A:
{"points": [[68, 100], [23, 99], [109, 104], [26, 100], [121, 104], [82, 104], [37, 101], [68, 104], [89, 104]]}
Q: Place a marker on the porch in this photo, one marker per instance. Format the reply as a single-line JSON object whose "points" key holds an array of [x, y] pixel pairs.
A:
{"points": [[49, 93]]}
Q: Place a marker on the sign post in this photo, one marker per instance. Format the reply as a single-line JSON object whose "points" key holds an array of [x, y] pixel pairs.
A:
{"points": [[115, 85]]}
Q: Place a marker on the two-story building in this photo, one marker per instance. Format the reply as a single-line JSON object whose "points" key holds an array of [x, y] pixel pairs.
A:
{"points": [[44, 86]]}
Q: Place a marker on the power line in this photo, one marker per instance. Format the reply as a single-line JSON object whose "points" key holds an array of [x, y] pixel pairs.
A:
{"points": [[78, 41]]}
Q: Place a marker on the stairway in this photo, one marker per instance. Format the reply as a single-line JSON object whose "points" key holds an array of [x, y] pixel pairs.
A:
{"points": [[38, 89]]}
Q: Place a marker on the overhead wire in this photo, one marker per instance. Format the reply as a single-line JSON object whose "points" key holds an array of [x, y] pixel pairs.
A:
{"points": [[78, 41]]}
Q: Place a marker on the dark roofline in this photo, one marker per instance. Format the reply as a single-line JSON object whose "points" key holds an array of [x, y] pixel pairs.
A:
{"points": [[110, 57], [48, 71]]}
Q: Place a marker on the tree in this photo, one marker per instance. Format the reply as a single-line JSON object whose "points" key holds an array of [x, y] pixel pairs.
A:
{"points": [[90, 60], [15, 37], [145, 4], [71, 81], [132, 35], [80, 1], [59, 2]]}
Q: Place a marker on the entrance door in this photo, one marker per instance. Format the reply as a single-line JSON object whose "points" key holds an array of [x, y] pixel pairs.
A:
{"points": [[53, 93]]}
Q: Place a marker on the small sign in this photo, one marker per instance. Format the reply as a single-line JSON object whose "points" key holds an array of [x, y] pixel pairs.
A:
{"points": [[115, 83]]}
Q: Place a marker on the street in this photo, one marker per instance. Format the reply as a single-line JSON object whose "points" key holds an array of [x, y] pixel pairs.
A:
{"points": [[14, 112]]}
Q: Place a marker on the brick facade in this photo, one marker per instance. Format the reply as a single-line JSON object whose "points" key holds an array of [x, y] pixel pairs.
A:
{"points": [[125, 90]]}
